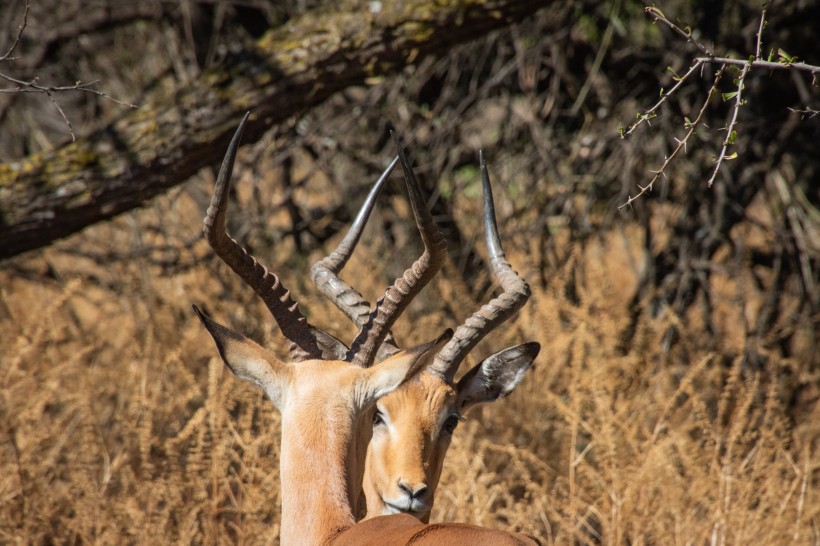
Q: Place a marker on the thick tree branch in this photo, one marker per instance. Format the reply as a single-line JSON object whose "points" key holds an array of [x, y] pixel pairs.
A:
{"points": [[47, 196]]}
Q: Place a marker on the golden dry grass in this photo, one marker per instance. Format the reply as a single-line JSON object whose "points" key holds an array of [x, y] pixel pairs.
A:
{"points": [[119, 425]]}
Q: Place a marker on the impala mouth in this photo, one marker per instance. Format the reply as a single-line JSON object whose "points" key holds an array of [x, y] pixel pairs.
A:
{"points": [[415, 507]]}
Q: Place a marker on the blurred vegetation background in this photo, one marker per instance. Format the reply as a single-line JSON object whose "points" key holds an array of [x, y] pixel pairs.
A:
{"points": [[676, 398]]}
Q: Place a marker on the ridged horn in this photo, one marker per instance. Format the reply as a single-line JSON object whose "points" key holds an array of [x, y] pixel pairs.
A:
{"points": [[325, 272], [515, 294], [404, 289], [266, 284]]}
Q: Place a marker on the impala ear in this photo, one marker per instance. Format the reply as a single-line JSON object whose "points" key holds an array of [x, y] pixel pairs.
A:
{"points": [[497, 375], [402, 366], [247, 359], [332, 348]]}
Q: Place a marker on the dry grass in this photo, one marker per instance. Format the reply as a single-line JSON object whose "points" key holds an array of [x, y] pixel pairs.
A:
{"points": [[119, 425]]}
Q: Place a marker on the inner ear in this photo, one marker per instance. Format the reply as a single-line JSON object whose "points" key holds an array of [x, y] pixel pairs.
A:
{"points": [[497, 375], [332, 348]]}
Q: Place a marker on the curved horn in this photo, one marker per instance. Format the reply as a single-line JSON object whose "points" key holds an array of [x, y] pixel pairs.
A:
{"points": [[325, 272], [398, 296], [515, 294], [266, 284]]}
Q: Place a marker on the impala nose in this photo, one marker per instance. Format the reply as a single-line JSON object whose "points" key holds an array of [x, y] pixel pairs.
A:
{"points": [[414, 491]]}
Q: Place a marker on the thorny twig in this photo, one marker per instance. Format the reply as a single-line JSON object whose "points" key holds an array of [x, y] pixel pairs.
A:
{"points": [[681, 144], [19, 35], [648, 115], [658, 16], [764, 65], [753, 62], [33, 87], [807, 113], [710, 58], [760, 32], [730, 130]]}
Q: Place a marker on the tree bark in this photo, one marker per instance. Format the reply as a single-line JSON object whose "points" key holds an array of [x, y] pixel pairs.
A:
{"points": [[47, 196]]}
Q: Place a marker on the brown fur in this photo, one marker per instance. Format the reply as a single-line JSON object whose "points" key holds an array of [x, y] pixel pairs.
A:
{"points": [[405, 529]]}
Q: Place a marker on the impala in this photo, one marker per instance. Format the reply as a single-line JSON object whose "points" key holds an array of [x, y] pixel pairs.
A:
{"points": [[412, 426], [322, 397]]}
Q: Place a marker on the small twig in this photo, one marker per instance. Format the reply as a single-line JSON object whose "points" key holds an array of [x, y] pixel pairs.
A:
{"points": [[657, 15], [32, 87], [62, 113], [810, 112], [19, 35], [760, 32], [646, 116], [766, 65], [681, 144], [730, 130], [784, 63]]}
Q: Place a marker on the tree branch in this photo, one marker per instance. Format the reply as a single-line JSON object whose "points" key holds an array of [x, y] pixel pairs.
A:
{"points": [[50, 195], [681, 143], [20, 29]]}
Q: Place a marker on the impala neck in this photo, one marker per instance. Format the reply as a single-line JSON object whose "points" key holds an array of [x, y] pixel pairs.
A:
{"points": [[317, 490]]}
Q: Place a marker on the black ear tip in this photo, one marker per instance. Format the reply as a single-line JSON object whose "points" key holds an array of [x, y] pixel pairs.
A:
{"points": [[532, 348], [203, 318]]}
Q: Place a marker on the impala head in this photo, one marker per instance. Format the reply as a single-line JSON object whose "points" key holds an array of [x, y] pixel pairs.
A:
{"points": [[321, 402], [412, 426]]}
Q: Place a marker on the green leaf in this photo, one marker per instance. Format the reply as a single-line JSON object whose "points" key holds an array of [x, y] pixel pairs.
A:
{"points": [[729, 96], [732, 137], [730, 157], [785, 58]]}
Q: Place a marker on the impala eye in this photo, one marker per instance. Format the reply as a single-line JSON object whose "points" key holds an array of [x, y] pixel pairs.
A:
{"points": [[452, 422], [378, 418]]}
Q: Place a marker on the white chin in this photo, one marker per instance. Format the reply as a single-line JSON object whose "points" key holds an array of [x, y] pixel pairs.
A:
{"points": [[390, 510]]}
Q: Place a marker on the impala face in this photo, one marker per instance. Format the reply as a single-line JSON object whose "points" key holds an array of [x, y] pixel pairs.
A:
{"points": [[412, 428]]}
